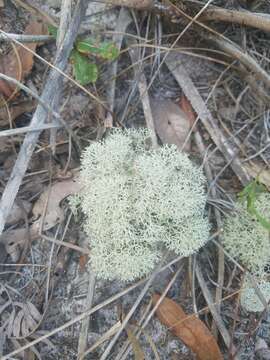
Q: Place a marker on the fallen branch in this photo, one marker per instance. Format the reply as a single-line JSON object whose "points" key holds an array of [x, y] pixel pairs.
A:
{"points": [[39, 118], [246, 18]]}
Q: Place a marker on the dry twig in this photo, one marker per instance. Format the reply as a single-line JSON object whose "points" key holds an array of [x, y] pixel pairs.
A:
{"points": [[39, 117]]}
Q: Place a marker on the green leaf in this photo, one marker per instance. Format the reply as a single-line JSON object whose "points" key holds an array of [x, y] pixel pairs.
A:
{"points": [[53, 30], [105, 50], [85, 72], [249, 193]]}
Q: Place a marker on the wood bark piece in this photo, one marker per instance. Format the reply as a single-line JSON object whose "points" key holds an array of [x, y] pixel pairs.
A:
{"points": [[40, 116], [229, 151]]}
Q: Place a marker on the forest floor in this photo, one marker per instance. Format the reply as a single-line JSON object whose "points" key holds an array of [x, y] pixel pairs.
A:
{"points": [[194, 72]]}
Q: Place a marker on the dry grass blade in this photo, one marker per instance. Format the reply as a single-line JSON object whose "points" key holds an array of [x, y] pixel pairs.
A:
{"points": [[85, 314], [129, 314], [217, 135], [142, 85], [144, 322], [113, 330], [219, 322]]}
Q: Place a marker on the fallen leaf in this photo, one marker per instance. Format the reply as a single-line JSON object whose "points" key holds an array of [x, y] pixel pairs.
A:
{"points": [[188, 109], [15, 110], [18, 212], [16, 68], [171, 123], [189, 329], [25, 320], [51, 199]]}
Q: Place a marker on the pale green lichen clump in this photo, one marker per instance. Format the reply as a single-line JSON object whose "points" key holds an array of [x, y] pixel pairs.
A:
{"points": [[245, 238], [248, 241], [250, 300], [139, 201]]}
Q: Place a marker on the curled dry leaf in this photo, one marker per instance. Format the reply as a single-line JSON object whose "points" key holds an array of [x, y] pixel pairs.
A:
{"points": [[18, 63], [50, 201], [25, 320], [191, 330], [171, 123]]}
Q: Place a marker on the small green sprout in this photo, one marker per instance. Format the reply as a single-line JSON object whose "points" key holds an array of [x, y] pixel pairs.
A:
{"points": [[86, 71]]}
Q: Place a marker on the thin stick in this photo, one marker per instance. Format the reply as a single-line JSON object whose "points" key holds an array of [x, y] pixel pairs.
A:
{"points": [[142, 85], [193, 95], [85, 322], [152, 312], [218, 320], [25, 38], [129, 315], [25, 129], [85, 314], [246, 18], [39, 118]]}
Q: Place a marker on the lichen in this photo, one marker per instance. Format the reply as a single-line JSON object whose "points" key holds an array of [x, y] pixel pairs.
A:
{"points": [[250, 300], [138, 201], [244, 236]]}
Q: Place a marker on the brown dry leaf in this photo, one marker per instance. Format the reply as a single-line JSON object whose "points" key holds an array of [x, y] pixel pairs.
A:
{"points": [[15, 239], [9, 64], [18, 212], [171, 123], [188, 109], [50, 200], [14, 111], [191, 330]]}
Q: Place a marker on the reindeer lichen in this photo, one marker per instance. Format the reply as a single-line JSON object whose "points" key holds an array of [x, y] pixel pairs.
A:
{"points": [[137, 202]]}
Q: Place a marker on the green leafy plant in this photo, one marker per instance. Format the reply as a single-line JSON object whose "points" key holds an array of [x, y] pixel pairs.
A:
{"points": [[139, 201], [249, 194], [84, 69]]}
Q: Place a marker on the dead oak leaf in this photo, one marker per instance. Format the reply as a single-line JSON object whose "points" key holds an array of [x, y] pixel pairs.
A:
{"points": [[19, 61], [171, 123], [189, 329], [50, 201]]}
